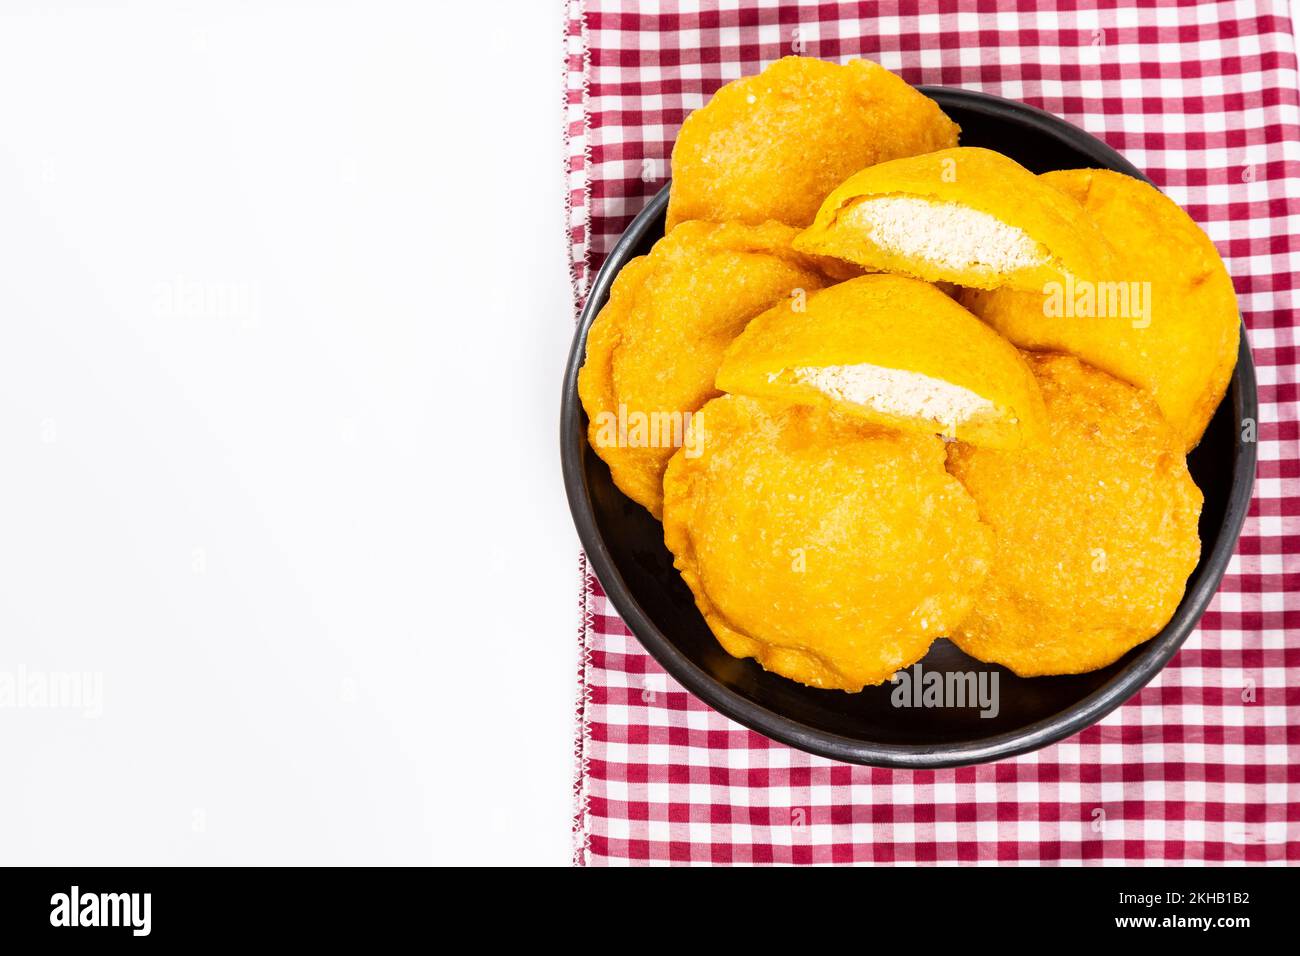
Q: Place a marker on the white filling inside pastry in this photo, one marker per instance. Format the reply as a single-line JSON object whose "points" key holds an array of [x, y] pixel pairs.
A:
{"points": [[947, 234], [893, 391]]}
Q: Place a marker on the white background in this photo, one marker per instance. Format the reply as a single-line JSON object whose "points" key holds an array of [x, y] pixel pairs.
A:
{"points": [[283, 310]]}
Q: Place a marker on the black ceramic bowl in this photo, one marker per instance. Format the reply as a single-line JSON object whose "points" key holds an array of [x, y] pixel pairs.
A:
{"points": [[625, 546]]}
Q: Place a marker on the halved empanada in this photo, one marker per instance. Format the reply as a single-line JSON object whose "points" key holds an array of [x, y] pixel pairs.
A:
{"points": [[895, 351], [966, 215]]}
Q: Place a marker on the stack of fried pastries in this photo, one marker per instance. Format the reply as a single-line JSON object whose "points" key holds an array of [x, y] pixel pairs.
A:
{"points": [[883, 389]]}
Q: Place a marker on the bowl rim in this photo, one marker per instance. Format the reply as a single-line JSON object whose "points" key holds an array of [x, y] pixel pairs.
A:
{"points": [[1155, 653]]}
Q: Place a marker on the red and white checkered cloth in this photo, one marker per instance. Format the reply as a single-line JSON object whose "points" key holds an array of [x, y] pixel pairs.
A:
{"points": [[1195, 769]]}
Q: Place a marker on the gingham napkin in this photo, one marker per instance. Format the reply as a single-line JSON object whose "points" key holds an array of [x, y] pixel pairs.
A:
{"points": [[1201, 766]]}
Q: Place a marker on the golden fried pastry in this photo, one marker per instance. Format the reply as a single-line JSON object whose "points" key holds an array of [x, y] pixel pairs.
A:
{"points": [[1167, 320], [773, 146], [895, 351], [654, 349], [965, 215], [1096, 529], [831, 550]]}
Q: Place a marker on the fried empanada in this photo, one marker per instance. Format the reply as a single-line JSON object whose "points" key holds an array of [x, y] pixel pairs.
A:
{"points": [[1095, 529], [773, 146], [966, 215], [895, 351], [654, 349], [831, 550], [1166, 321]]}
